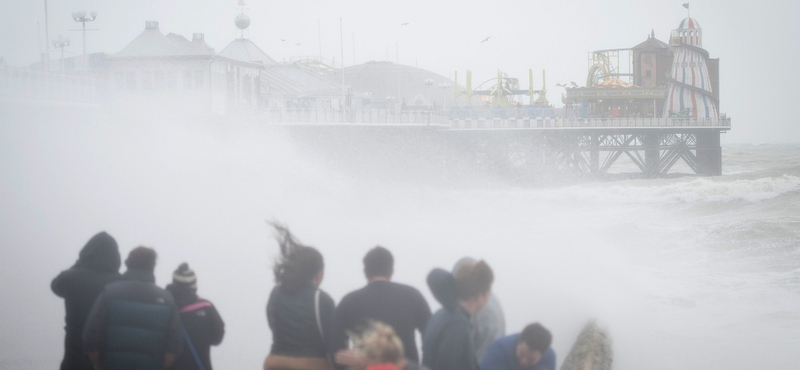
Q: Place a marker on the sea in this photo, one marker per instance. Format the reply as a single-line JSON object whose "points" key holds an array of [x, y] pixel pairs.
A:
{"points": [[683, 272]]}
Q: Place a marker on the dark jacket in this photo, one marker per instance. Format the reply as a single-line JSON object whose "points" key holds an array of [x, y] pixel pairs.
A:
{"points": [[293, 321], [400, 306], [203, 325], [133, 324], [98, 264], [447, 343], [502, 355]]}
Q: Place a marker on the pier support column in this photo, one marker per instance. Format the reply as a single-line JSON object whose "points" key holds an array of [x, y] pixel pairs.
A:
{"points": [[652, 155], [594, 155], [709, 153]]}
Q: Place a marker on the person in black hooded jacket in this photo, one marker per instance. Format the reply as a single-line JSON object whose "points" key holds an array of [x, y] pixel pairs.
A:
{"points": [[98, 264], [200, 319], [447, 343]]}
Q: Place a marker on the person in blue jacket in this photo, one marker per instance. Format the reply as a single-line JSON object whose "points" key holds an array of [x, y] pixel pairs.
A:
{"points": [[134, 324], [529, 350]]}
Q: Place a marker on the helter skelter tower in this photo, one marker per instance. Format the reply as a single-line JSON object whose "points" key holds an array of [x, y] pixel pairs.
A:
{"points": [[689, 93]]}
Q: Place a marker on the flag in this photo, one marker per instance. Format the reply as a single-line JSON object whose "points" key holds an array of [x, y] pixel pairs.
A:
{"points": [[686, 5]]}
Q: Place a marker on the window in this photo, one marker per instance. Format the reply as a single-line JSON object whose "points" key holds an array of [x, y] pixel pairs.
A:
{"points": [[172, 80], [131, 80], [119, 81], [159, 81], [198, 79], [147, 81], [187, 79]]}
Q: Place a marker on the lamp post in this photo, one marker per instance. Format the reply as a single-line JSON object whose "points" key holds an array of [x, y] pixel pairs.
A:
{"points": [[60, 43], [80, 16], [444, 86], [428, 82]]}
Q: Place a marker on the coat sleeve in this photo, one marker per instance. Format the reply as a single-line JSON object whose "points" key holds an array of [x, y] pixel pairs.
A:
{"points": [[92, 332], [458, 351], [493, 360], [217, 331], [548, 362], [423, 313], [174, 333], [326, 309], [58, 285], [338, 337]]}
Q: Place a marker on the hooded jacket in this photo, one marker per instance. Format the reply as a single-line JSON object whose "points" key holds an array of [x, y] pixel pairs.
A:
{"points": [[447, 343], [98, 264], [202, 323]]}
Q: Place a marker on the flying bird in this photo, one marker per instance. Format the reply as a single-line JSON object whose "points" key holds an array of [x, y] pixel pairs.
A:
{"points": [[297, 44], [486, 39], [283, 40], [404, 24], [573, 84]]}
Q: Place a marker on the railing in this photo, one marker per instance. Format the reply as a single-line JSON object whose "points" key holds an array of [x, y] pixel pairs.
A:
{"points": [[561, 122], [27, 84], [356, 116]]}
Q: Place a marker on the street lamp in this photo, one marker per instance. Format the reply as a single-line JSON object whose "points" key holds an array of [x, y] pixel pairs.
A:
{"points": [[80, 16], [444, 86], [428, 82], [60, 43]]}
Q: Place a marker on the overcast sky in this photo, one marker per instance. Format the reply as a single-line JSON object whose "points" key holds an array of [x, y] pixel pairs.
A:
{"points": [[757, 42]]}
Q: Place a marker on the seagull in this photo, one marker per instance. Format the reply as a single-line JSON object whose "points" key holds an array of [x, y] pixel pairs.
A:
{"points": [[297, 44], [283, 40], [486, 39], [404, 24], [561, 85], [573, 84]]}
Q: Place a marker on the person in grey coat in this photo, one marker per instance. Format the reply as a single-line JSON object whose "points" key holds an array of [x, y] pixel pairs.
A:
{"points": [[489, 324]]}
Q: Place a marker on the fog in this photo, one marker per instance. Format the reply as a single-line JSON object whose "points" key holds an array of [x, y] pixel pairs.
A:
{"points": [[679, 271], [201, 191]]}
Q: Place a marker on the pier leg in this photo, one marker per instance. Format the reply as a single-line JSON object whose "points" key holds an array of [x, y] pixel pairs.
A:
{"points": [[652, 155], [709, 153], [594, 155]]}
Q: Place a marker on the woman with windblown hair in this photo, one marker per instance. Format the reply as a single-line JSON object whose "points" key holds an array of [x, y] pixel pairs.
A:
{"points": [[298, 312]]}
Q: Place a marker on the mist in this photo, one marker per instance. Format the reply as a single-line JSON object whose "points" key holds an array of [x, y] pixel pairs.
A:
{"points": [[684, 272], [640, 256]]}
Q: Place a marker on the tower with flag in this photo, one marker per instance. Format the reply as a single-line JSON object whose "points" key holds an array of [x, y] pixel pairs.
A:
{"points": [[690, 93]]}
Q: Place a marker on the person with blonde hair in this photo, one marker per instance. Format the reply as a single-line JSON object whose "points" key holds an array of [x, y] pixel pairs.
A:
{"points": [[377, 348]]}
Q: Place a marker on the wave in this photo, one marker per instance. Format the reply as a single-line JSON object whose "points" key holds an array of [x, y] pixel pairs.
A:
{"points": [[676, 191]]}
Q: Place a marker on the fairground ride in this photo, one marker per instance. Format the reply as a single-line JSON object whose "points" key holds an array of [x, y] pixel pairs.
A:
{"points": [[503, 91]]}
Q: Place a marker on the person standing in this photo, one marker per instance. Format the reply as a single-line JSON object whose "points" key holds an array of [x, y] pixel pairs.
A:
{"points": [[529, 350], [298, 312], [448, 343], [400, 306], [489, 324], [200, 319], [98, 264], [134, 324]]}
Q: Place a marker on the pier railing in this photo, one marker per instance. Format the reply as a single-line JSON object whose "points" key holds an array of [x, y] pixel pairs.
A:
{"points": [[412, 117], [561, 122]]}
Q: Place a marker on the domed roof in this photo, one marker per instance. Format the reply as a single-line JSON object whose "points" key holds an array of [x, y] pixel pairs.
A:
{"points": [[386, 79], [688, 24], [246, 51]]}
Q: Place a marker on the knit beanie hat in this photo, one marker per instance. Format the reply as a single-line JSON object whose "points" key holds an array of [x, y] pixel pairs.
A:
{"points": [[184, 277]]}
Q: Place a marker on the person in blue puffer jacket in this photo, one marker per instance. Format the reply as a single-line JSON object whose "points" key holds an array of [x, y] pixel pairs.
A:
{"points": [[134, 324]]}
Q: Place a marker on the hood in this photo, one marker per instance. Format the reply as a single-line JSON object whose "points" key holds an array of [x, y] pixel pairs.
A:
{"points": [[443, 287], [100, 254]]}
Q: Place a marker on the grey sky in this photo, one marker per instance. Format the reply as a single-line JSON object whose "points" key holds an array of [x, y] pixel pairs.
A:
{"points": [[757, 42]]}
